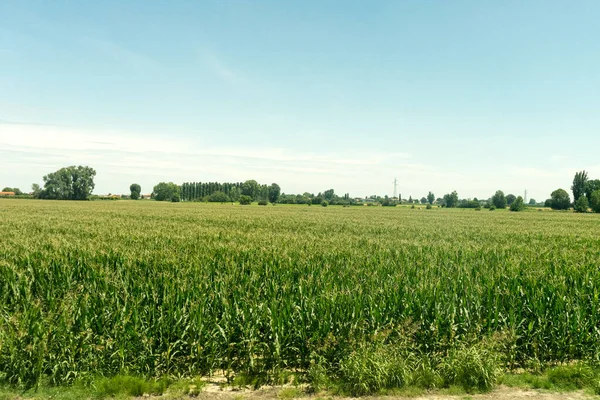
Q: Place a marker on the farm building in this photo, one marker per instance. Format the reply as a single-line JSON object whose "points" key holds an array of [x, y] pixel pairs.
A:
{"points": [[7, 193]]}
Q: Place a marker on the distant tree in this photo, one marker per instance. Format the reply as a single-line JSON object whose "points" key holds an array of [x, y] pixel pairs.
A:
{"points": [[430, 198], [560, 200], [135, 190], [581, 205], [591, 186], [251, 189], [165, 191], [274, 193], [423, 200], [410, 200], [498, 199], [579, 183], [510, 198], [69, 183], [234, 194], [548, 203], [324, 203], [518, 204], [329, 194], [35, 188], [451, 200], [176, 198], [532, 202], [595, 201], [16, 191], [439, 200], [245, 200], [218, 197]]}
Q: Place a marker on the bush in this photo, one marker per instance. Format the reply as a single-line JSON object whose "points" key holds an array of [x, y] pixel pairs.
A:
{"points": [[218, 197], [245, 200], [473, 368], [518, 204], [595, 201], [324, 203], [492, 208], [581, 205], [175, 198], [428, 207], [372, 367], [262, 203], [560, 200]]}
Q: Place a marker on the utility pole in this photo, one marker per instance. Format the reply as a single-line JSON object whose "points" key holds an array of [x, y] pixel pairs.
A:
{"points": [[525, 196], [395, 187]]}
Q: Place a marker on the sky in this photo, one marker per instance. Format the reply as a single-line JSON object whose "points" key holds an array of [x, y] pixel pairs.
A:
{"points": [[472, 96]]}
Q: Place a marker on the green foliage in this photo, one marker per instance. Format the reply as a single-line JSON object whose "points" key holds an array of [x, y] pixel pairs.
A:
{"points": [[560, 200], [109, 288], [492, 208], [165, 191], [532, 202], [498, 199], [324, 203], [372, 367], [582, 205], [175, 198], [250, 188], [429, 207], [472, 368], [575, 376], [69, 183], [518, 204], [245, 200], [509, 199], [218, 197], [595, 201], [262, 203], [451, 200], [430, 197], [274, 193], [130, 386], [16, 191], [579, 185], [591, 186], [135, 190]]}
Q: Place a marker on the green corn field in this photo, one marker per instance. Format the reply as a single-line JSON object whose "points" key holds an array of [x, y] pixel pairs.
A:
{"points": [[187, 289]]}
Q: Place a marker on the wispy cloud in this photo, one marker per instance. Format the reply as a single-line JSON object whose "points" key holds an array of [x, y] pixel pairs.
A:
{"points": [[218, 67], [120, 157], [128, 57]]}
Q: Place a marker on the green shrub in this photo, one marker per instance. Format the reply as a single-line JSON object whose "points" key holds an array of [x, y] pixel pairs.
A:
{"points": [[245, 200], [372, 367], [428, 207], [218, 197], [492, 208], [581, 205], [324, 203], [595, 201], [130, 386], [473, 368], [262, 203], [518, 204]]}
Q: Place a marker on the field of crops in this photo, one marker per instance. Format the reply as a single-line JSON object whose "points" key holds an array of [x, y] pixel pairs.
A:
{"points": [[153, 288]]}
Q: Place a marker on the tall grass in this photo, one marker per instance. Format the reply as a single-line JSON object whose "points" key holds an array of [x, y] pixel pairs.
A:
{"points": [[154, 289]]}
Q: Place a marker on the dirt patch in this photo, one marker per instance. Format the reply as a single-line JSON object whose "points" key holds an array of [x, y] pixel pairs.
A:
{"points": [[214, 391]]}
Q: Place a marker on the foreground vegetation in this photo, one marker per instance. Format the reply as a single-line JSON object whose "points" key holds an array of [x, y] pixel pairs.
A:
{"points": [[359, 299]]}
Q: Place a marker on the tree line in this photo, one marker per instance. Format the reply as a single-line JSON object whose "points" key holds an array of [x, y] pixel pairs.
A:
{"points": [[77, 183]]}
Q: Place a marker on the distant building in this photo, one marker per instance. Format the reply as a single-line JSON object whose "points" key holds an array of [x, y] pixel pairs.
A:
{"points": [[145, 196], [7, 193]]}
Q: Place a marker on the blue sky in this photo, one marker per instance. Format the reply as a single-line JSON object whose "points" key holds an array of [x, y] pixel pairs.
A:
{"points": [[471, 96]]}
